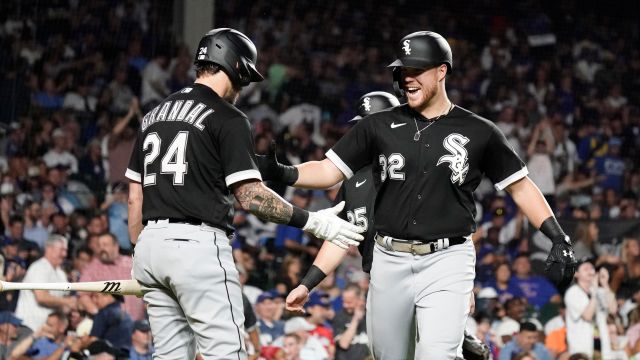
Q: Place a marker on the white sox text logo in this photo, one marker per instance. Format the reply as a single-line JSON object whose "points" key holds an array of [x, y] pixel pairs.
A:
{"points": [[366, 104], [406, 47], [454, 143]]}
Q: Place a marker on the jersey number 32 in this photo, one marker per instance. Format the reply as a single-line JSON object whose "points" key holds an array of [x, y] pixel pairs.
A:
{"points": [[173, 162]]}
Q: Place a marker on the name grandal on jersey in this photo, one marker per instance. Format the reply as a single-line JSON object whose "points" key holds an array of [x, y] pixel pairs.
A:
{"points": [[178, 110]]}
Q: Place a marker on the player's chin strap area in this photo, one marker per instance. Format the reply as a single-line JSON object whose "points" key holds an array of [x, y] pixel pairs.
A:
{"points": [[417, 247]]}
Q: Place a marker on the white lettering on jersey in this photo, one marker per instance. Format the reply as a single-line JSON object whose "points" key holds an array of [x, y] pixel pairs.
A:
{"points": [[366, 103], [406, 46], [454, 143], [162, 115], [173, 114], [198, 122], [185, 109], [193, 114]]}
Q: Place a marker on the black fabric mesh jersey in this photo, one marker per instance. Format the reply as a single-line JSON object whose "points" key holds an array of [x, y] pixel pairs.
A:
{"points": [[426, 186], [359, 195], [189, 150]]}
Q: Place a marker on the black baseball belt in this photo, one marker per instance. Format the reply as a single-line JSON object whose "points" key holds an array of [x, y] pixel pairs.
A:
{"points": [[417, 247]]}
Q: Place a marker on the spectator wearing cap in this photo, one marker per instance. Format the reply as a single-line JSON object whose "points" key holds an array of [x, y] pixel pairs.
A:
{"points": [[35, 305], [11, 333], [611, 167], [349, 326], [59, 153], [293, 240], [589, 300], [111, 322], [525, 340], [536, 289], [270, 327], [310, 347], [109, 264], [141, 345], [318, 307]]}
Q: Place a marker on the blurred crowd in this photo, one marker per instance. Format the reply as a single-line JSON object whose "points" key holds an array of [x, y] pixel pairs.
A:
{"points": [[563, 85]]}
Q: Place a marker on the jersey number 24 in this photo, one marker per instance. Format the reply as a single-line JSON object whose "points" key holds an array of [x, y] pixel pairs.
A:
{"points": [[173, 162]]}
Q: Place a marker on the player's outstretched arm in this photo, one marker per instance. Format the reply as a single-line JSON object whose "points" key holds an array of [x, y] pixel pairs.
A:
{"points": [[326, 262], [261, 201], [561, 264], [310, 175]]}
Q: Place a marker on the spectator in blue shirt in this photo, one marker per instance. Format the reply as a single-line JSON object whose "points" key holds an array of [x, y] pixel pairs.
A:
{"points": [[111, 322], [270, 327], [48, 342], [536, 289], [505, 288], [525, 340], [611, 167], [141, 347]]}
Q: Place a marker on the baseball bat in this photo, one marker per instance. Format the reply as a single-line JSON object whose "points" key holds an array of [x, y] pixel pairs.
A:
{"points": [[118, 287]]}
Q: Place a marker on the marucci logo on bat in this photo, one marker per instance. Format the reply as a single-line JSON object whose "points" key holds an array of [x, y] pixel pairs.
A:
{"points": [[111, 287]]}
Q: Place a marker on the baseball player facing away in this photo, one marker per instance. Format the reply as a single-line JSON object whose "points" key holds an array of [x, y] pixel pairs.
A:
{"points": [[428, 156], [194, 152]]}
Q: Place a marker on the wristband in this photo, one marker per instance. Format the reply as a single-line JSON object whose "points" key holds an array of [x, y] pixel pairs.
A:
{"points": [[299, 217], [551, 229], [289, 174], [313, 278]]}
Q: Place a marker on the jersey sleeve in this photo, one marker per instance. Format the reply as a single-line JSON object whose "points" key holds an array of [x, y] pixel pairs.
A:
{"points": [[236, 151], [500, 162], [135, 168], [353, 151]]}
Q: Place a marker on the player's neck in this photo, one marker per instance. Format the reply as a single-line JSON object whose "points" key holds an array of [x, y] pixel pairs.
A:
{"points": [[438, 107], [215, 82]]}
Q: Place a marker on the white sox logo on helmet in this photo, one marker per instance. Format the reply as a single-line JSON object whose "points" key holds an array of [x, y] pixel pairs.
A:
{"points": [[366, 104], [406, 46], [454, 143]]}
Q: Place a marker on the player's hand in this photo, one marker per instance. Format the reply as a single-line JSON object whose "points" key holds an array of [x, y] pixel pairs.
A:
{"points": [[296, 299], [272, 170], [325, 224], [561, 263]]}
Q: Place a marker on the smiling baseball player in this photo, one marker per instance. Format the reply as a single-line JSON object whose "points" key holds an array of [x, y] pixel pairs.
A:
{"points": [[428, 157]]}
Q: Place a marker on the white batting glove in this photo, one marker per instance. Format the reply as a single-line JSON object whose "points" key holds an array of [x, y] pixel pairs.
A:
{"points": [[325, 224]]}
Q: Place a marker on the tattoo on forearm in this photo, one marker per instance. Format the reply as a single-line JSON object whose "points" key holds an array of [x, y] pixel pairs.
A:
{"points": [[263, 203]]}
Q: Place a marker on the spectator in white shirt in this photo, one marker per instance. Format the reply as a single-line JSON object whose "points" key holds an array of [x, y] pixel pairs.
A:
{"points": [[154, 81], [59, 155]]}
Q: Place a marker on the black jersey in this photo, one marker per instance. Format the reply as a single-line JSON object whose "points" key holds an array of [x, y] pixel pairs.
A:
{"points": [[190, 149], [359, 195], [426, 185]]}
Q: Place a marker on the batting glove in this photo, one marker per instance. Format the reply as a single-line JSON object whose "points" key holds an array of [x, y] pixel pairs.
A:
{"points": [[561, 262], [325, 224], [272, 170]]}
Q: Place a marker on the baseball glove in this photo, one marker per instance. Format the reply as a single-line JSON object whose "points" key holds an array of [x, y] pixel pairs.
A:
{"points": [[474, 349]]}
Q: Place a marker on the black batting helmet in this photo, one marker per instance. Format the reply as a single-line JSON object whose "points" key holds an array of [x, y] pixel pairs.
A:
{"points": [[421, 50], [233, 52], [373, 102]]}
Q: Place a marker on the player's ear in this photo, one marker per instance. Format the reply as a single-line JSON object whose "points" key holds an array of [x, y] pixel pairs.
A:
{"points": [[442, 72]]}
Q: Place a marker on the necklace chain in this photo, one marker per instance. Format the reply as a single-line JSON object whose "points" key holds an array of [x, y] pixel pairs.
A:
{"points": [[416, 137]]}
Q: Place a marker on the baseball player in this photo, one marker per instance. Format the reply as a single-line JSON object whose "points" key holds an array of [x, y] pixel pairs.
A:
{"points": [[428, 156], [194, 152]]}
